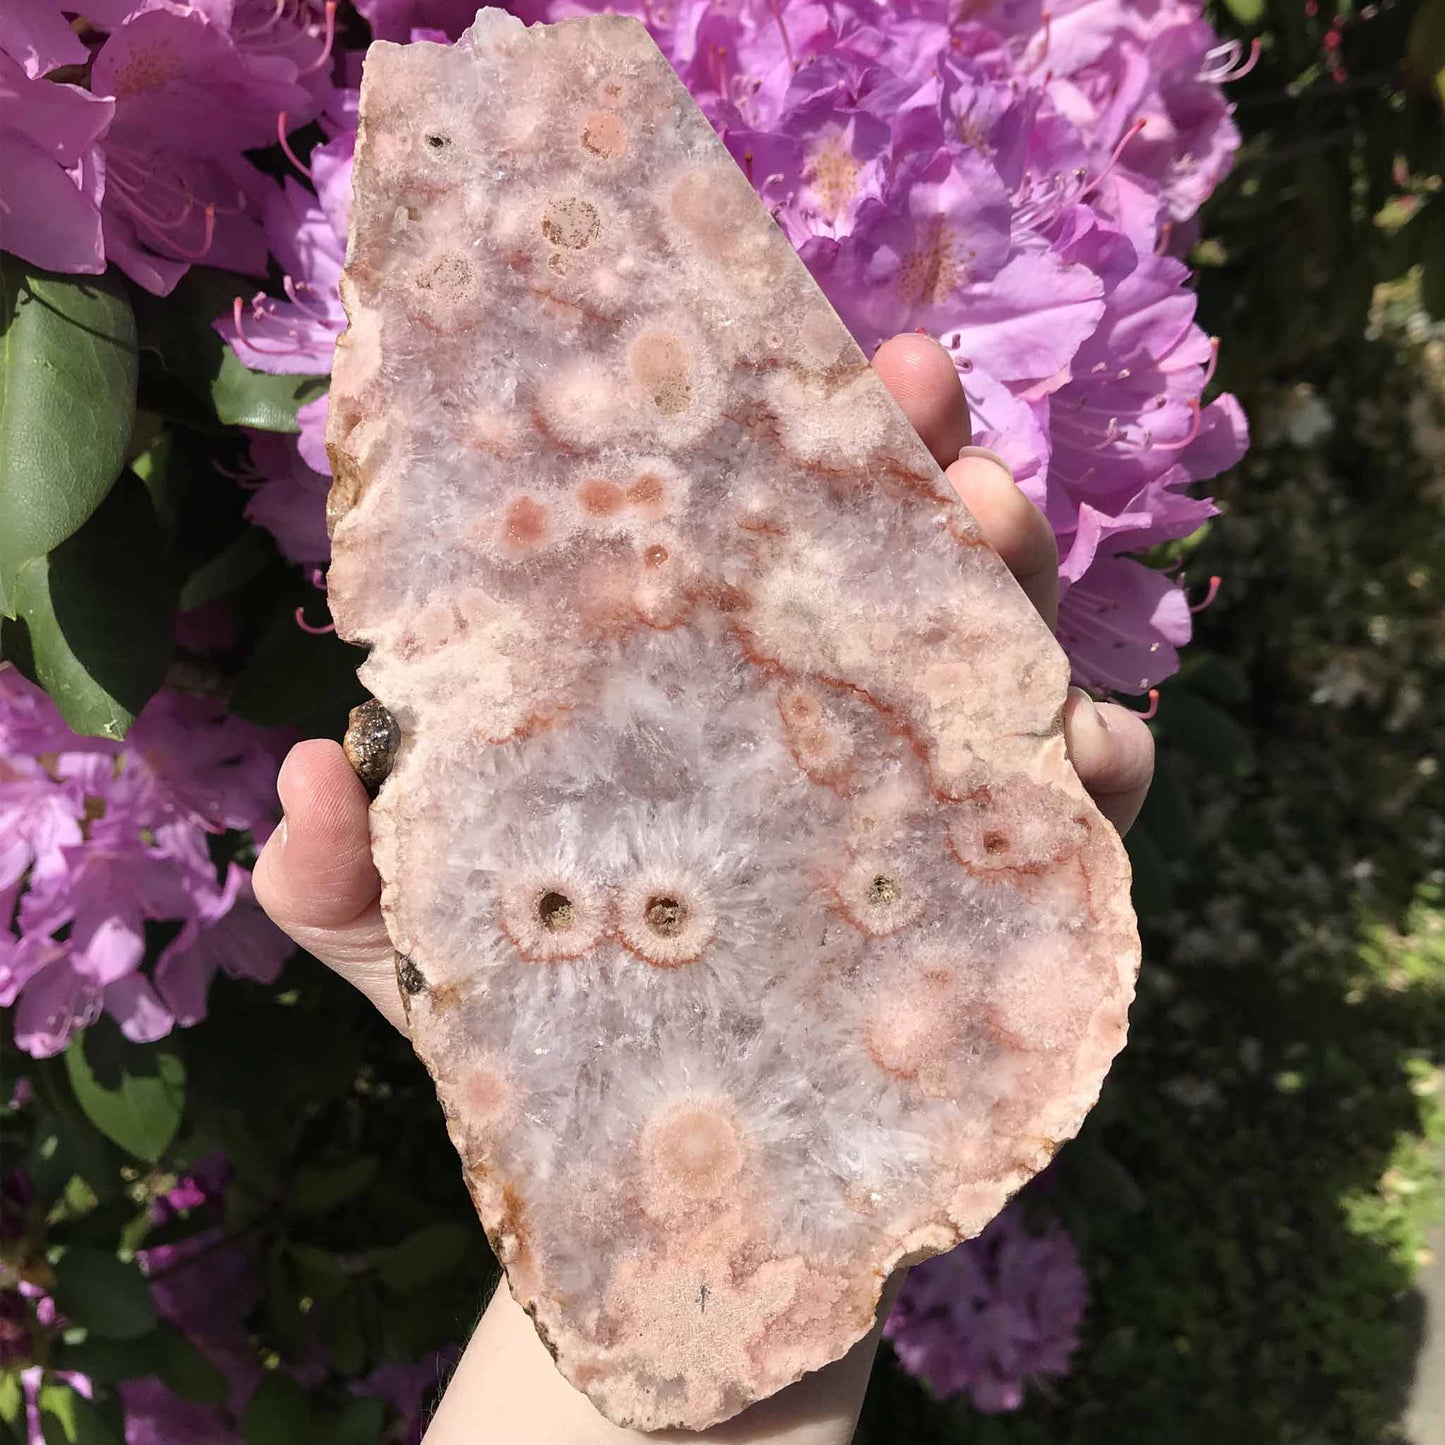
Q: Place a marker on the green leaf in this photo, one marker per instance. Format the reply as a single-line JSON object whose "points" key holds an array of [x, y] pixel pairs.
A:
{"points": [[278, 1413], [1167, 812], [1207, 732], [423, 1256], [132, 1093], [321, 1188], [360, 1423], [1153, 889], [236, 564], [162, 1351], [1247, 12], [323, 1274], [67, 1418], [190, 374], [1432, 257], [107, 1362], [67, 400], [285, 1323], [1425, 49], [188, 1372], [1219, 678], [99, 611], [343, 1334], [12, 1399], [294, 678], [106, 1295], [1095, 1182]]}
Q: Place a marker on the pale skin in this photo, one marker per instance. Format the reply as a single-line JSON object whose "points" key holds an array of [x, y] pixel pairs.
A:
{"points": [[316, 879]]}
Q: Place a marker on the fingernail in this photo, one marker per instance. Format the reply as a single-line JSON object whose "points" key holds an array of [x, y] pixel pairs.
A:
{"points": [[1084, 706], [982, 454]]}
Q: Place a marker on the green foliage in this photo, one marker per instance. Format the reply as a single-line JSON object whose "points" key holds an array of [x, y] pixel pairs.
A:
{"points": [[1333, 165], [132, 1093], [161, 1351], [423, 1256], [322, 1188], [99, 614], [190, 375], [359, 1423], [1425, 49], [345, 1206], [279, 1413], [67, 1418], [293, 678], [104, 1295], [67, 400]]}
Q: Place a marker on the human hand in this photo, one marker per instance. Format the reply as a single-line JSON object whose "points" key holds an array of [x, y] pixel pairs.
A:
{"points": [[315, 876], [316, 879]]}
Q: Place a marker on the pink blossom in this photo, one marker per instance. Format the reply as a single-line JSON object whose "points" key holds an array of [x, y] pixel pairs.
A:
{"points": [[406, 1387], [188, 102], [307, 235], [101, 839], [156, 1416], [53, 174], [289, 500], [396, 19], [229, 933], [36, 34], [994, 1314], [300, 34]]}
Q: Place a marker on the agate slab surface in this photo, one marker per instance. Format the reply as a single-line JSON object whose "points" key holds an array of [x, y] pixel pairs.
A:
{"points": [[749, 917]]}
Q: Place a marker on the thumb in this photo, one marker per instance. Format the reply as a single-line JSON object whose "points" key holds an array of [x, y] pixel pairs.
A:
{"points": [[315, 877]]}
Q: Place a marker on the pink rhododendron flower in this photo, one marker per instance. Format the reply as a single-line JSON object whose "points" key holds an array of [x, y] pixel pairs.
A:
{"points": [[406, 1388], [307, 235], [397, 19], [288, 498], [299, 33], [993, 1314], [154, 1415], [52, 174], [99, 839], [36, 34], [187, 103]]}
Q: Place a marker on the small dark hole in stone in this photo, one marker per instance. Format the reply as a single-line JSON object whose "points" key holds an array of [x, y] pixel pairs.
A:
{"points": [[995, 842], [883, 891], [438, 142], [556, 912], [665, 916]]}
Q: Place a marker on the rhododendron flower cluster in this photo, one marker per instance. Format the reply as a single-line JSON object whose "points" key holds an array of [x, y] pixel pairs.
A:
{"points": [[101, 840], [993, 1314], [1014, 183], [128, 128]]}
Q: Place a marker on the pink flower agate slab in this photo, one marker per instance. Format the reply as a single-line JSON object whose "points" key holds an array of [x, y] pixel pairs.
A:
{"points": [[754, 926]]}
